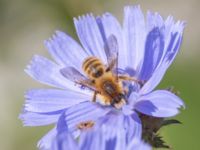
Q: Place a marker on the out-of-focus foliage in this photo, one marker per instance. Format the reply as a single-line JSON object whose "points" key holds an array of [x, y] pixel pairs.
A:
{"points": [[25, 24]]}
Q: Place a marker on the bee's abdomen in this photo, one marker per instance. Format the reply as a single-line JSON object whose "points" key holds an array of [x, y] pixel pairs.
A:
{"points": [[93, 67]]}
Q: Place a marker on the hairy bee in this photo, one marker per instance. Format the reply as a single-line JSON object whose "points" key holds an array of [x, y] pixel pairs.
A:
{"points": [[104, 81], [101, 78]]}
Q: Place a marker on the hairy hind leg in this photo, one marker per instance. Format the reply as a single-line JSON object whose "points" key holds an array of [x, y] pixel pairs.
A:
{"points": [[94, 96]]}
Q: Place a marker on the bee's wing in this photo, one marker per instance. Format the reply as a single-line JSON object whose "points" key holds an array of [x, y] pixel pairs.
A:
{"points": [[72, 74], [111, 49]]}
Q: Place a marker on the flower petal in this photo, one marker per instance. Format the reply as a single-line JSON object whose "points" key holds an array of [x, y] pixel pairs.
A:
{"points": [[160, 103], [63, 139], [169, 56], [153, 53], [92, 140], [155, 79], [154, 20], [133, 98], [82, 112], [154, 46], [46, 141], [114, 132], [109, 26], [66, 51], [135, 33], [36, 119], [133, 127], [47, 72], [90, 36], [49, 100]]}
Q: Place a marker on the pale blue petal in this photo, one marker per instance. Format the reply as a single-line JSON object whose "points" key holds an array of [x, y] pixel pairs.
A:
{"points": [[154, 47], [127, 110], [160, 103], [108, 26], [169, 55], [168, 29], [36, 119], [82, 112], [89, 34], [153, 20], [155, 79], [120, 139], [63, 140], [133, 127], [66, 51], [135, 34], [47, 72], [45, 142], [110, 134], [133, 98], [92, 140], [48, 100], [114, 132]]}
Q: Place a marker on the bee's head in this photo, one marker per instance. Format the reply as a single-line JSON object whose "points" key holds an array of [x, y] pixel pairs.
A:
{"points": [[119, 101]]}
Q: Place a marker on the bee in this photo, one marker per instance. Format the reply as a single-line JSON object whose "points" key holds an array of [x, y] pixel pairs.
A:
{"points": [[101, 78]]}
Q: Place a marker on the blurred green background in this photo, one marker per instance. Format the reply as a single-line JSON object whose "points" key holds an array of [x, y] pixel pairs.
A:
{"points": [[25, 24]]}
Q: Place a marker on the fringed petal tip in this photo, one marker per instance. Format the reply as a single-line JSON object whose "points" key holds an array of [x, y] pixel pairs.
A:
{"points": [[135, 7], [47, 72], [65, 50], [37, 119], [31, 64], [52, 100], [90, 36], [81, 17]]}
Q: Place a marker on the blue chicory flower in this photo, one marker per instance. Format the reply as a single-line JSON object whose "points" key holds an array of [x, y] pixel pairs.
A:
{"points": [[146, 48]]}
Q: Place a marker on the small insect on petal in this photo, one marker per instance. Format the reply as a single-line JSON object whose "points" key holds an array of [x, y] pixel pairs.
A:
{"points": [[85, 125]]}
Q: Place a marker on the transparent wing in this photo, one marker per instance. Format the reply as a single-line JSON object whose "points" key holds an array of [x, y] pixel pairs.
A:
{"points": [[72, 74], [111, 49], [75, 76]]}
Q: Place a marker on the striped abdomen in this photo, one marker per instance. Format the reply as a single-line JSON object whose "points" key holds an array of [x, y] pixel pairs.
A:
{"points": [[93, 67]]}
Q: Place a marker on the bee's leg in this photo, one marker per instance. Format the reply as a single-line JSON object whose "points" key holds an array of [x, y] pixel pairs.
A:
{"points": [[94, 96], [126, 90], [127, 78], [86, 83]]}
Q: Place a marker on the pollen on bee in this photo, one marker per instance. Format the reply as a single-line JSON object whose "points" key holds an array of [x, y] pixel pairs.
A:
{"points": [[104, 100], [85, 125]]}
